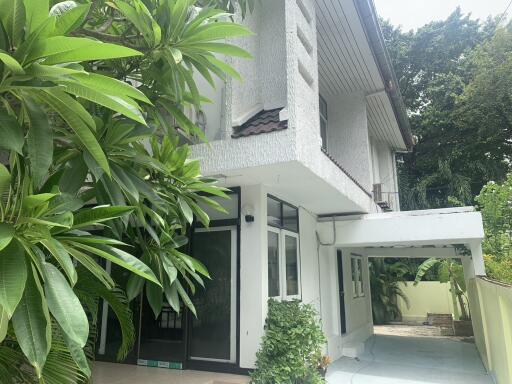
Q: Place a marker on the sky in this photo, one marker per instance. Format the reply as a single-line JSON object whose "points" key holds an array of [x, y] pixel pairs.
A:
{"points": [[412, 14]]}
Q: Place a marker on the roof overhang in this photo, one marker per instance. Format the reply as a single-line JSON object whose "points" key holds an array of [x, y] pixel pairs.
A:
{"points": [[352, 58], [369, 18], [436, 227]]}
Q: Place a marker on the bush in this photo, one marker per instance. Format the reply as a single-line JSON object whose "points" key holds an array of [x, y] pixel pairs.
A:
{"points": [[292, 346]]}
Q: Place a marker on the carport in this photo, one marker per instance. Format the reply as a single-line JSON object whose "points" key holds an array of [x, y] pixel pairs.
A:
{"points": [[368, 358]]}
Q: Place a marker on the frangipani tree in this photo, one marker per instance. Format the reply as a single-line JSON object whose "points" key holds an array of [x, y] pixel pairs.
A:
{"points": [[91, 115]]}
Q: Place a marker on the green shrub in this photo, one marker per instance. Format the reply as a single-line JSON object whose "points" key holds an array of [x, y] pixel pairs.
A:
{"points": [[292, 346]]}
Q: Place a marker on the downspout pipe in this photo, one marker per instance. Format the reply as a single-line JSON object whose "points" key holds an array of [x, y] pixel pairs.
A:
{"points": [[368, 16]]}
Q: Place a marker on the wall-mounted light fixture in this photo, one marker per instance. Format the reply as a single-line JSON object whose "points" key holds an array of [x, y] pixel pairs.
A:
{"points": [[248, 212]]}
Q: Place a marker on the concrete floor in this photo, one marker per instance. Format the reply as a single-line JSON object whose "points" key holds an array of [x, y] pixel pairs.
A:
{"points": [[391, 359], [108, 373]]}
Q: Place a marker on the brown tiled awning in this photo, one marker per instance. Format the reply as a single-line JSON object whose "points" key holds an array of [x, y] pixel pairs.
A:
{"points": [[262, 122]]}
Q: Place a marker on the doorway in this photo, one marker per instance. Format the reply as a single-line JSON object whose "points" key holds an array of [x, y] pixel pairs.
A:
{"points": [[212, 334], [341, 292]]}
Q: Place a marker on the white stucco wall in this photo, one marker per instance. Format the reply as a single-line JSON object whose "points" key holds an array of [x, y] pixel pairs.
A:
{"points": [[347, 135], [253, 274], [264, 77], [384, 171]]}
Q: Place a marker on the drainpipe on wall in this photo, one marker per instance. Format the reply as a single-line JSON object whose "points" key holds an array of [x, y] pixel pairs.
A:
{"points": [[318, 244]]}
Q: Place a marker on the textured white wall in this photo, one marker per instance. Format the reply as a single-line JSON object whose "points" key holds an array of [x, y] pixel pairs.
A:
{"points": [[264, 77], [387, 172], [253, 275], [309, 259], [245, 95], [347, 135]]}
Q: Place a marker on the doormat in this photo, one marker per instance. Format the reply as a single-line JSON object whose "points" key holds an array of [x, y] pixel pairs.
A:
{"points": [[160, 364]]}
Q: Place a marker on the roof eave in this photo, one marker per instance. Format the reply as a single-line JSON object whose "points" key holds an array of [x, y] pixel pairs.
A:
{"points": [[369, 19]]}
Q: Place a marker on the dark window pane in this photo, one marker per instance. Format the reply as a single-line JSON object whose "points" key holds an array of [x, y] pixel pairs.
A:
{"points": [[323, 108], [292, 267], [273, 212], [323, 133], [290, 218], [211, 329], [354, 276], [273, 264], [360, 277]]}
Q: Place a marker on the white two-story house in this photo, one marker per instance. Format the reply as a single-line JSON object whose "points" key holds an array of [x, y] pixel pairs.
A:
{"points": [[308, 145]]}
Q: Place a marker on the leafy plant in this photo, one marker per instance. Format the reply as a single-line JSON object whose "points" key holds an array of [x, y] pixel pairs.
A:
{"points": [[449, 271], [292, 345], [92, 130], [495, 204], [385, 279]]}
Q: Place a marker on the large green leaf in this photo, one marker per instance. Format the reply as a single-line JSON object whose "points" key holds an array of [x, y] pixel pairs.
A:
{"points": [[34, 201], [40, 141], [171, 294], [36, 14], [222, 48], [111, 86], [4, 324], [11, 63], [65, 306], [215, 31], [155, 298], [117, 103], [78, 354], [13, 275], [134, 286], [62, 256], [13, 19], [11, 134], [6, 234], [92, 216], [32, 325], [63, 49], [71, 19], [92, 266], [121, 258], [73, 113], [5, 178]]}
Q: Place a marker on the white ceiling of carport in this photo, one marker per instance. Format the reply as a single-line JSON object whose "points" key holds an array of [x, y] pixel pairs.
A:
{"points": [[346, 64]]}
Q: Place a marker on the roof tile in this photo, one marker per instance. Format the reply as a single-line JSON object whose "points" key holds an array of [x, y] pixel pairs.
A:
{"points": [[262, 122]]}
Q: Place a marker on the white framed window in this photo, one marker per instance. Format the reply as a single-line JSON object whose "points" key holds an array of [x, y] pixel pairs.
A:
{"points": [[283, 264], [356, 265], [283, 251]]}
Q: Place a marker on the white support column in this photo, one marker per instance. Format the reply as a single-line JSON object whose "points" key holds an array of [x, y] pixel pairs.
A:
{"points": [[253, 274], [477, 258]]}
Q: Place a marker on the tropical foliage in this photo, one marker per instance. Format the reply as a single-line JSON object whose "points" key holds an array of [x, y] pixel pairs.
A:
{"points": [[96, 167], [449, 271], [385, 279], [291, 349], [454, 76], [495, 203]]}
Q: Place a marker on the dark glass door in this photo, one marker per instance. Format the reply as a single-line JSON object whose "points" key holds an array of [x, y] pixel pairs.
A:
{"points": [[212, 335], [341, 291]]}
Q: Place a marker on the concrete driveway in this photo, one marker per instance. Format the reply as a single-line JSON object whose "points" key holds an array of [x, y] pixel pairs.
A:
{"points": [[412, 360]]}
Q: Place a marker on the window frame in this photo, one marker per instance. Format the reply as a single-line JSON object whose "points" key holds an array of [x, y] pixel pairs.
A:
{"points": [[282, 233], [357, 280], [323, 119], [282, 203]]}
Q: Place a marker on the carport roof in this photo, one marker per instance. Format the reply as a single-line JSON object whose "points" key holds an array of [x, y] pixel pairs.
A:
{"points": [[436, 227]]}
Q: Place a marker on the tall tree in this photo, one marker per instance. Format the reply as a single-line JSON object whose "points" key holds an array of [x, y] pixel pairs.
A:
{"points": [[434, 66]]}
